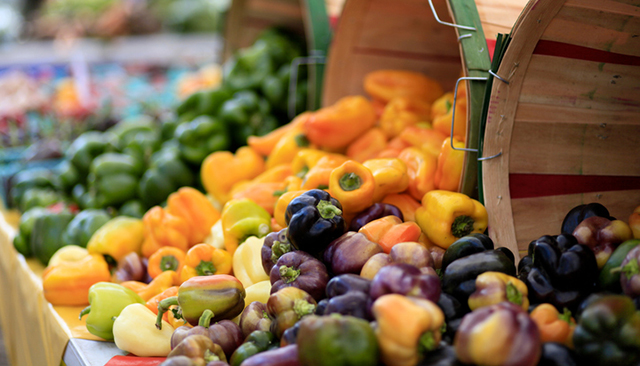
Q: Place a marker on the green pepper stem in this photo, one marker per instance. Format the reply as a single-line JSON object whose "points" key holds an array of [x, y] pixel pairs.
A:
{"points": [[169, 263], [350, 182], [210, 356], [301, 140], [566, 316], [205, 318], [462, 226], [85, 311], [427, 342], [289, 274], [163, 306], [513, 295], [278, 249], [303, 307], [631, 269], [205, 268], [327, 210]]}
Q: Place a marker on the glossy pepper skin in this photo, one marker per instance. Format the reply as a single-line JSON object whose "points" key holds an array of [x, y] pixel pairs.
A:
{"points": [[602, 235], [342, 340], [47, 234], [287, 306], [319, 175], [495, 287], [314, 219], [225, 333], [147, 340], [165, 174], [630, 277], [88, 146], [117, 237], [421, 169], [403, 112], [608, 332], [300, 269], [367, 146], [286, 355], [352, 184], [447, 216], [258, 341], [467, 245], [609, 278], [165, 259], [198, 347], [405, 279], [390, 176], [408, 328], [349, 253], [22, 240], [553, 325], [559, 271], [274, 246], [113, 178], [242, 219], [374, 212], [247, 114], [83, 225], [254, 317], [449, 166], [196, 209], [403, 201], [201, 137], [205, 260], [106, 301], [577, 214], [30, 179], [163, 229], [498, 335], [389, 231]]}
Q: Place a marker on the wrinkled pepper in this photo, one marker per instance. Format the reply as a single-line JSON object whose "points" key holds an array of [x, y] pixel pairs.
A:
{"points": [[447, 216], [163, 229], [205, 260], [242, 219], [196, 209], [390, 176], [403, 112], [553, 325], [319, 175], [385, 85], [421, 169], [408, 328], [496, 287], [247, 262], [118, 237], [106, 301], [602, 236], [407, 204], [222, 169], [166, 259], [449, 166], [389, 231], [146, 340], [353, 185], [367, 146]]}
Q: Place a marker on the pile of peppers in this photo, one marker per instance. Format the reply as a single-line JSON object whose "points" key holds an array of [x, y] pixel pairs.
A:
{"points": [[340, 234]]}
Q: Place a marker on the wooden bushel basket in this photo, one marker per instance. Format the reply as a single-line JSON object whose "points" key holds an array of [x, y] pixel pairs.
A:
{"points": [[568, 121]]}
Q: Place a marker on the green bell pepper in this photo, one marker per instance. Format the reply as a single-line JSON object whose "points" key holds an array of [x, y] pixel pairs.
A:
{"points": [[166, 173], [249, 67], [82, 227], [68, 176], [39, 197], [609, 279], [128, 129], [133, 208], [256, 342], [28, 179], [247, 114], [282, 45], [88, 146], [106, 301], [201, 137], [83, 198], [46, 236], [113, 178], [608, 332], [22, 239], [143, 145]]}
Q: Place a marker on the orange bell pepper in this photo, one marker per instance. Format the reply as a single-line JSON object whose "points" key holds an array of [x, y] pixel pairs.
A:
{"points": [[163, 229], [390, 176], [443, 123], [421, 169], [553, 326], [426, 138], [222, 169], [264, 194], [67, 282], [153, 302], [442, 105], [165, 259], [402, 112], [449, 166], [159, 284], [385, 85], [197, 211], [407, 204], [634, 222], [353, 185], [264, 145], [378, 106], [336, 126], [274, 174], [205, 260], [319, 175], [389, 231], [394, 148], [281, 206], [289, 145], [367, 146]]}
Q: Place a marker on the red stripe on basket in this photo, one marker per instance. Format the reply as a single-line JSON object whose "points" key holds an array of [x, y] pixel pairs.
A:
{"points": [[541, 185], [491, 46], [559, 49]]}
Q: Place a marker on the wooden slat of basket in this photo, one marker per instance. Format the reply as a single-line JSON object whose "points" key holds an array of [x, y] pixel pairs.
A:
{"points": [[545, 113], [499, 16]]}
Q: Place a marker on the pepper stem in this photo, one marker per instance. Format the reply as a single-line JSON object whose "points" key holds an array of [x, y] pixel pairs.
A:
{"points": [[210, 356], [205, 268], [350, 182], [462, 226], [169, 263], [205, 318], [163, 306], [289, 274], [278, 249], [85, 311], [566, 316], [328, 210], [303, 307], [513, 295], [631, 269], [427, 342]]}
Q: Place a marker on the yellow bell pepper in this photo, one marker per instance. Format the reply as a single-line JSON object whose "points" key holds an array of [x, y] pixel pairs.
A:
{"points": [[390, 176], [319, 175], [421, 169], [117, 238], [197, 211], [259, 291], [353, 185], [265, 194], [290, 143], [442, 123], [222, 169], [68, 253], [281, 206], [164, 229], [67, 282], [367, 146], [264, 145], [442, 106], [495, 287], [385, 85], [242, 219], [304, 160], [449, 167], [159, 284], [247, 262], [406, 326], [447, 216], [134, 331], [205, 260], [403, 112]]}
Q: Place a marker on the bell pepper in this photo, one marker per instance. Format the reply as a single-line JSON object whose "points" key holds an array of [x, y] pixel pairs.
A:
{"points": [[465, 246], [247, 114], [389, 231], [299, 269], [349, 253], [390, 176], [164, 229], [602, 236], [198, 348], [341, 340], [385, 85], [407, 205], [264, 145], [88, 146], [408, 328], [634, 222], [353, 185], [247, 262], [274, 246], [423, 137], [166, 173], [166, 259], [496, 287], [39, 197], [442, 105], [68, 282], [287, 306], [450, 164], [169, 316], [68, 253], [403, 112], [496, 335], [338, 125], [630, 277], [47, 234], [26, 180], [106, 301], [225, 333], [415, 254], [196, 209], [216, 237], [288, 146], [608, 332], [118, 237], [306, 159], [254, 318], [158, 285], [284, 355], [265, 194], [558, 271], [201, 137], [314, 219], [257, 342], [113, 178], [609, 278], [146, 340], [130, 268], [394, 147], [281, 205], [367, 146], [205, 260], [22, 240], [242, 219], [447, 216], [259, 291], [143, 144], [83, 225], [222, 169], [421, 168], [374, 212], [204, 102], [442, 123], [405, 279], [577, 214], [319, 175], [133, 208], [373, 265], [553, 325]]}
